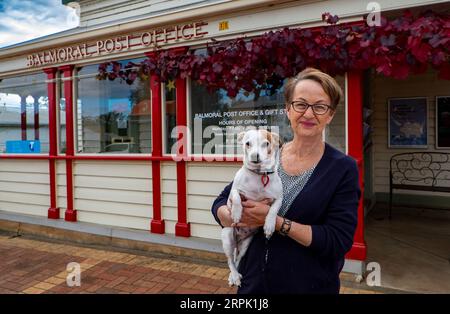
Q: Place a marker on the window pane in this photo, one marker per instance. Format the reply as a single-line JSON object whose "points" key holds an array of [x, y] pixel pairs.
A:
{"points": [[218, 118], [62, 116], [24, 114], [112, 116], [170, 119]]}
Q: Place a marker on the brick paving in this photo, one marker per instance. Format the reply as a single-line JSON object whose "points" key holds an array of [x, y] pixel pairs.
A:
{"points": [[33, 266]]}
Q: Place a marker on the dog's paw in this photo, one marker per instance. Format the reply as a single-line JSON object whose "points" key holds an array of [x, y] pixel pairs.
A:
{"points": [[269, 226], [269, 229], [234, 279], [236, 213]]}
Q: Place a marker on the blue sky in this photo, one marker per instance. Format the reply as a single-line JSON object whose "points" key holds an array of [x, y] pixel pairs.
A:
{"points": [[22, 20]]}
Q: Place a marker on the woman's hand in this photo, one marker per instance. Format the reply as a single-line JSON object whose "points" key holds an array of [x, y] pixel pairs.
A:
{"points": [[254, 213], [224, 215]]}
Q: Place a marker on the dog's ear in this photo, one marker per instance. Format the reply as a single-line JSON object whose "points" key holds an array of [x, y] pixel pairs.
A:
{"points": [[240, 137]]}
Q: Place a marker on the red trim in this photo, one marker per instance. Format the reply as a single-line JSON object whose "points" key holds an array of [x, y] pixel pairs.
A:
{"points": [[4, 156], [182, 228], [355, 149], [157, 225], [358, 252], [180, 50], [124, 158], [150, 55], [71, 213], [53, 211]]}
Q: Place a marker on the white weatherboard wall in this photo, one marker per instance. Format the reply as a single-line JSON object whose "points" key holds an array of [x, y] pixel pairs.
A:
{"points": [[424, 85], [169, 207], [114, 193], [95, 12], [205, 181], [24, 186], [61, 187]]}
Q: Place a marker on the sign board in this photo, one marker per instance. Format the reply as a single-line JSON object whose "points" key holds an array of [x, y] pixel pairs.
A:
{"points": [[23, 147]]}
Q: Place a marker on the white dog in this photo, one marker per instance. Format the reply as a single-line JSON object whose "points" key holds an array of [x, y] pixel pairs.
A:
{"points": [[256, 180]]}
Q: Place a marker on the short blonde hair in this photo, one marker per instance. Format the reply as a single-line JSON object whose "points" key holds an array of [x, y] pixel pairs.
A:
{"points": [[329, 85]]}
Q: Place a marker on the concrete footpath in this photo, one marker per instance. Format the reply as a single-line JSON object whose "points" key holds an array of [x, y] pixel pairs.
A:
{"points": [[37, 265]]}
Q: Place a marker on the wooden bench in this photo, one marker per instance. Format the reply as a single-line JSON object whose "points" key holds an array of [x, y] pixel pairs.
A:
{"points": [[419, 171]]}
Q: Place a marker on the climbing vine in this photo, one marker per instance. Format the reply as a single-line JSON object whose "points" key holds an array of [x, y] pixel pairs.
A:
{"points": [[397, 48]]}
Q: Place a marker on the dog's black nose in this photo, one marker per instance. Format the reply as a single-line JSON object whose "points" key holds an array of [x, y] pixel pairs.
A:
{"points": [[255, 158]]}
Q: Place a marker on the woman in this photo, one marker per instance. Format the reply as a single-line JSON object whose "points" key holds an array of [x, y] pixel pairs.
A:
{"points": [[318, 218]]}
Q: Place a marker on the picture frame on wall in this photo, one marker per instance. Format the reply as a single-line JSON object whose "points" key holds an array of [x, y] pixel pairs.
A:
{"points": [[443, 122], [408, 122]]}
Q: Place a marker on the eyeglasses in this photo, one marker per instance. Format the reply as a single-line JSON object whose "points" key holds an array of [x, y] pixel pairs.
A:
{"points": [[301, 107]]}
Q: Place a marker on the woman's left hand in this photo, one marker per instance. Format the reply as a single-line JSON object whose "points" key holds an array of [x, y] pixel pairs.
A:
{"points": [[254, 213]]}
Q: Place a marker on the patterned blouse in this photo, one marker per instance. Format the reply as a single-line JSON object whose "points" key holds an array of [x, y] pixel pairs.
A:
{"points": [[292, 186]]}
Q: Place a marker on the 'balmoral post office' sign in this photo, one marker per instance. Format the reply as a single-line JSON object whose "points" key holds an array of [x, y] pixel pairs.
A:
{"points": [[152, 38]]}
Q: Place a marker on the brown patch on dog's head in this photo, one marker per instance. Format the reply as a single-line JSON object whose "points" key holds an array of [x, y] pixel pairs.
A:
{"points": [[273, 138]]}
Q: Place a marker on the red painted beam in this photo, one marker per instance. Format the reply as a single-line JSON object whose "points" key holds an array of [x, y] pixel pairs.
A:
{"points": [[53, 211], [71, 213], [182, 227], [122, 158], [36, 157], [157, 224], [356, 150]]}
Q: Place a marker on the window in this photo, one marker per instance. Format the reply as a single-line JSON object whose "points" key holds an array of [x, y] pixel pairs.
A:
{"points": [[216, 119], [24, 114], [112, 116], [170, 119], [62, 114]]}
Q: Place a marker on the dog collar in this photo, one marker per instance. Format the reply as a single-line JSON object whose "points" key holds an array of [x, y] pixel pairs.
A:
{"points": [[264, 176], [261, 173]]}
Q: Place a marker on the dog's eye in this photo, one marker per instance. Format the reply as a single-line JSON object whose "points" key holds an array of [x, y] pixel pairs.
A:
{"points": [[265, 144], [247, 144]]}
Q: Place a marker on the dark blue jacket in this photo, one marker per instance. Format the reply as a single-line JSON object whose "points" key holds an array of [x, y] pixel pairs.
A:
{"points": [[329, 203]]}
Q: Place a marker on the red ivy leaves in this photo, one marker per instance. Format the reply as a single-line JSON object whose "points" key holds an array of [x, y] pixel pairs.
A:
{"points": [[127, 73], [398, 48]]}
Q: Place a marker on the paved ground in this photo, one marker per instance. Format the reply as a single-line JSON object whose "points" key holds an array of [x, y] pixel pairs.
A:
{"points": [[34, 266]]}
